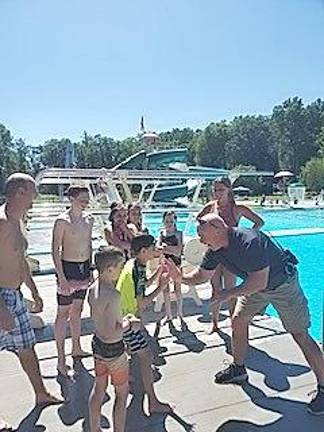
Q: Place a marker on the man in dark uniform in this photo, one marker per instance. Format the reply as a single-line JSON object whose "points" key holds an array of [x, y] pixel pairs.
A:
{"points": [[269, 276]]}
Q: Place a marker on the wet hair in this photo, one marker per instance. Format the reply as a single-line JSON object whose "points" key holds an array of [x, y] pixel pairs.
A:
{"points": [[114, 208], [129, 208], [16, 181], [133, 205], [227, 183], [169, 213], [108, 256], [113, 205], [75, 190], [142, 241]]}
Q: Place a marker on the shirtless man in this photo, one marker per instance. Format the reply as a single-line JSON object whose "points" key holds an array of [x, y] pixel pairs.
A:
{"points": [[16, 333], [72, 255]]}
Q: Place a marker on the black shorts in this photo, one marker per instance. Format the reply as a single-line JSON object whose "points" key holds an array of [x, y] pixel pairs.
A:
{"points": [[107, 350], [76, 270], [63, 300]]}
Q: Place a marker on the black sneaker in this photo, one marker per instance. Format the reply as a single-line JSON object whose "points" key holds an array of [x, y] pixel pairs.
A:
{"points": [[232, 374], [316, 406]]}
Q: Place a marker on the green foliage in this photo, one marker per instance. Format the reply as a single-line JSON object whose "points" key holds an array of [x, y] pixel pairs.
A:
{"points": [[211, 144], [251, 143], [95, 152], [313, 174], [52, 153], [320, 142], [14, 155], [295, 128]]}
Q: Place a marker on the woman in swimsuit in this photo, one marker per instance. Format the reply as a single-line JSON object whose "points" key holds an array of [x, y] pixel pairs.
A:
{"points": [[224, 205]]}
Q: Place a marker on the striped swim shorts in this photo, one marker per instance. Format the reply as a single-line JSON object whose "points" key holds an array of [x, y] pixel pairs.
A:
{"points": [[22, 336], [135, 341]]}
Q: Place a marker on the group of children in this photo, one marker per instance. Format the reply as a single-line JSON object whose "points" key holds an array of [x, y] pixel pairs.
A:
{"points": [[126, 223], [117, 296], [117, 302]]}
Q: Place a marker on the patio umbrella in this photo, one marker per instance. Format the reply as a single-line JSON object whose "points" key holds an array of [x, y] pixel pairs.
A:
{"points": [[282, 174]]}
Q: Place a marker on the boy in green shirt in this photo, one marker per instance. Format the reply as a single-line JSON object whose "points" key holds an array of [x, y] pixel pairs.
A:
{"points": [[132, 284]]}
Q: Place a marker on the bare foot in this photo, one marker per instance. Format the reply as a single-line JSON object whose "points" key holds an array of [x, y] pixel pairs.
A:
{"points": [[214, 329], [166, 320], [157, 330], [159, 407], [44, 399], [80, 353], [65, 370], [5, 427], [183, 324]]}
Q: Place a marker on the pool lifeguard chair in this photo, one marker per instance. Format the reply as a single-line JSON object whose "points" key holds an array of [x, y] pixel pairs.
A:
{"points": [[193, 253]]}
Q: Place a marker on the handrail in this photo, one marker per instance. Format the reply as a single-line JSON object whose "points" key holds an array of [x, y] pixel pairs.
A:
{"points": [[64, 175]]}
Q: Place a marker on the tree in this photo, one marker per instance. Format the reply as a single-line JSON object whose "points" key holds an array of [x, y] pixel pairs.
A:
{"points": [[52, 153], [292, 129], [315, 112], [320, 142], [95, 152], [251, 143], [211, 144], [313, 174], [14, 155]]}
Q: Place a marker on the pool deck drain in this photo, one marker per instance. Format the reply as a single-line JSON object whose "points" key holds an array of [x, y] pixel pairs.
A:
{"points": [[274, 399]]}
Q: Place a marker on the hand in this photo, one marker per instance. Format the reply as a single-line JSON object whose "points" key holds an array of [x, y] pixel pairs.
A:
{"points": [[160, 269], [7, 321], [136, 324], [64, 286], [134, 321], [37, 306], [175, 272]]}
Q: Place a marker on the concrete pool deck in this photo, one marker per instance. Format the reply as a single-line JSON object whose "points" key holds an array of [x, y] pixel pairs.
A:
{"points": [[274, 399]]}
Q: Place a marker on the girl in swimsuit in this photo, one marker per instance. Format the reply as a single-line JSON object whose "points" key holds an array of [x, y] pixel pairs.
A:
{"points": [[224, 205], [119, 235], [135, 219], [172, 245]]}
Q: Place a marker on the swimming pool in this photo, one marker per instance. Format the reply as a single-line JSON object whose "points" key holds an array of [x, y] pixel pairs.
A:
{"points": [[308, 248]]}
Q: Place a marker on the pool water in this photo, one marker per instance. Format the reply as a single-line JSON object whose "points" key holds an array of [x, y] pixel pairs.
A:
{"points": [[308, 248]]}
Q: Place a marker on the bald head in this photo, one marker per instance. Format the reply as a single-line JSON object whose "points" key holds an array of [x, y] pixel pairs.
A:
{"points": [[213, 231], [17, 181], [215, 220]]}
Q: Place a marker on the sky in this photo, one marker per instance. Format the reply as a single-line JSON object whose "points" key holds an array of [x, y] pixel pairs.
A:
{"points": [[99, 65]]}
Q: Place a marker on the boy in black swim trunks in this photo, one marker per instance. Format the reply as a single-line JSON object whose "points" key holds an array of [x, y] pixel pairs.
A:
{"points": [[107, 344], [72, 254]]}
